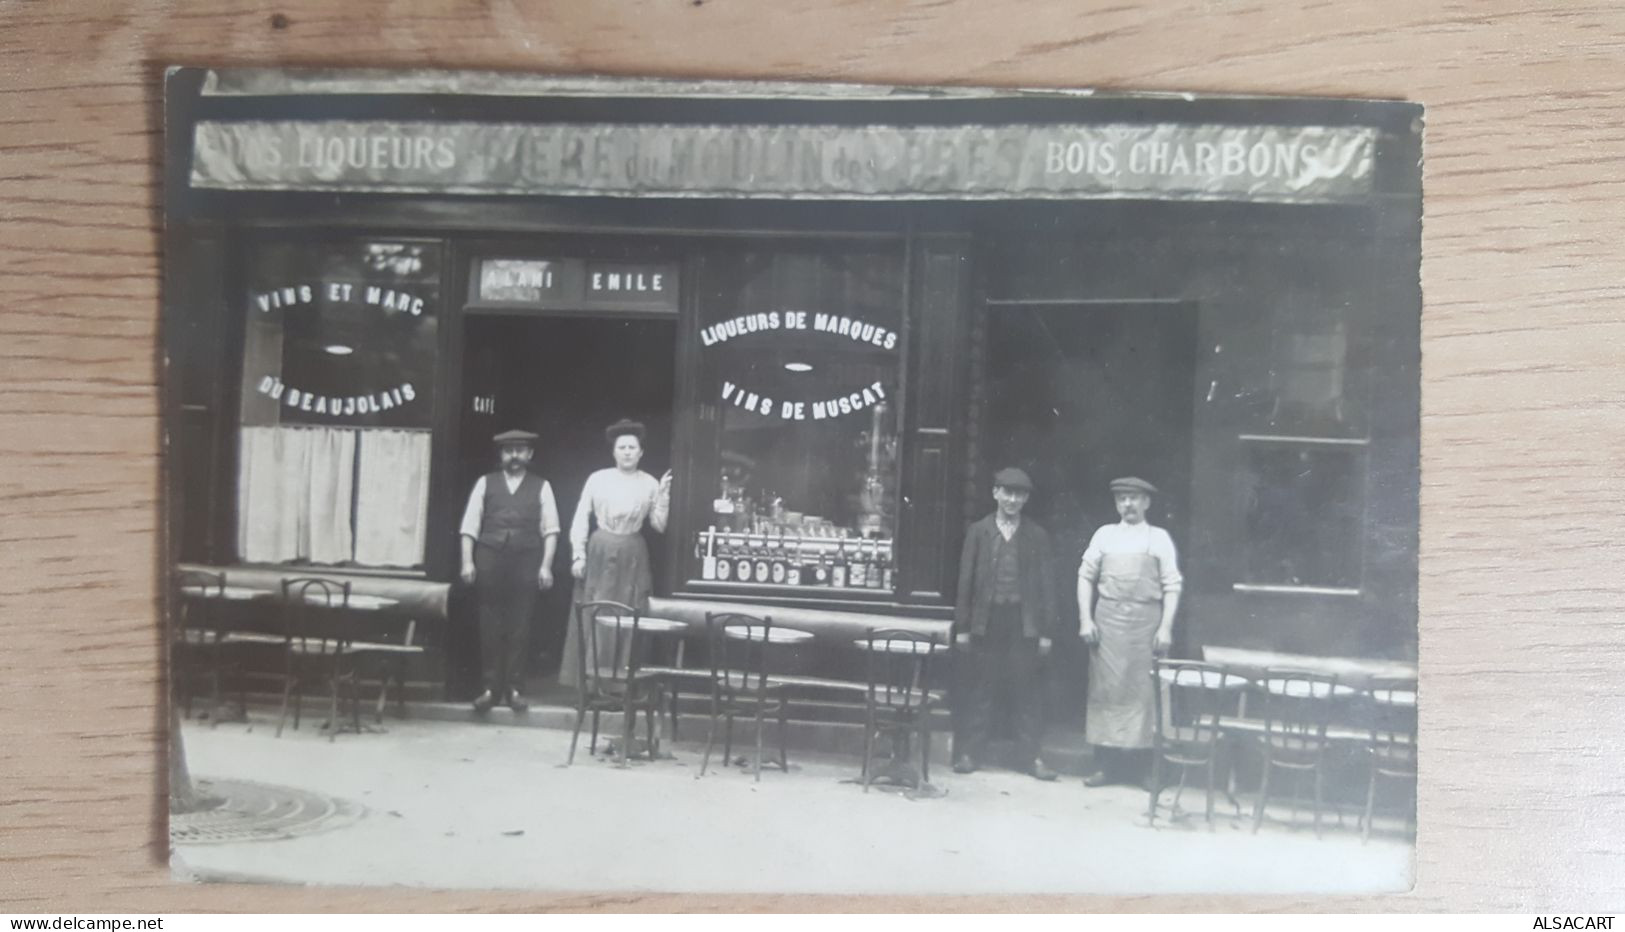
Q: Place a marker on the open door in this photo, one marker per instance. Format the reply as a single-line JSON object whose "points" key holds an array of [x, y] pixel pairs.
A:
{"points": [[1080, 393]]}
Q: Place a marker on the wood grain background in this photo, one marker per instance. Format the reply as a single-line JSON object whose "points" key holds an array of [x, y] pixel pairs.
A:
{"points": [[1523, 508]]}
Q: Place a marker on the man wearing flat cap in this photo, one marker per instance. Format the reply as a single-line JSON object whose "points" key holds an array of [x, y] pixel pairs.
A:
{"points": [[1004, 621], [510, 531], [1134, 570]]}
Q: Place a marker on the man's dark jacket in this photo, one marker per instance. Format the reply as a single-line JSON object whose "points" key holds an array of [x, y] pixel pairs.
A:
{"points": [[1035, 562]]}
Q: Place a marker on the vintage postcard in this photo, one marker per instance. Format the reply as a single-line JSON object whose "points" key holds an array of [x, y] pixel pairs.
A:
{"points": [[607, 484]]}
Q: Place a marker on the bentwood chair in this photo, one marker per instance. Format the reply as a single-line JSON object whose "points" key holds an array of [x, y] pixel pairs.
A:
{"points": [[1297, 709], [739, 646], [610, 680], [1391, 753], [899, 700], [318, 647], [1190, 698]]}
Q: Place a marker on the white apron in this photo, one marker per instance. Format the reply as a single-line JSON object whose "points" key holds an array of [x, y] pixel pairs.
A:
{"points": [[1129, 611]]}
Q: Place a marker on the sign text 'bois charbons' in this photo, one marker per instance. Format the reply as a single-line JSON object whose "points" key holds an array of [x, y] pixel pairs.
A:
{"points": [[837, 326], [1054, 161]]}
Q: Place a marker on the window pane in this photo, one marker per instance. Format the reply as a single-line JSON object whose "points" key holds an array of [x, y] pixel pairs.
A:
{"points": [[801, 357], [1303, 505]]}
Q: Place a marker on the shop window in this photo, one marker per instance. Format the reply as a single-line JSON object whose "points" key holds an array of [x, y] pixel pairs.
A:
{"points": [[1303, 502], [1309, 374], [800, 357], [336, 402]]}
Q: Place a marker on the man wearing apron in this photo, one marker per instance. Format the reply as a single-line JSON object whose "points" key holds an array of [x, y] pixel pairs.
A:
{"points": [[1135, 570], [509, 533]]}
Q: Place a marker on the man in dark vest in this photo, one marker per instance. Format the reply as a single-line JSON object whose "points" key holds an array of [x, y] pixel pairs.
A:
{"points": [[510, 531], [1004, 621]]}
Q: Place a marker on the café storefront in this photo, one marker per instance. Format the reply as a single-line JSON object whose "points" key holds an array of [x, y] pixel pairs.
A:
{"points": [[838, 313]]}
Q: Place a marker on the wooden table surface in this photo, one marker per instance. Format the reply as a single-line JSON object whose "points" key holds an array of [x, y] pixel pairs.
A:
{"points": [[1523, 508]]}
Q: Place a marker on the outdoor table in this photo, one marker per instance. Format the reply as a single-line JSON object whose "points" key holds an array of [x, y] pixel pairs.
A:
{"points": [[900, 646], [645, 623], [1305, 689], [357, 602], [225, 593], [775, 635], [1210, 679], [1399, 698], [901, 770]]}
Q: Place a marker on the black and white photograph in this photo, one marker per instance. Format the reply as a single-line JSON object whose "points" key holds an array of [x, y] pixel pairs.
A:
{"points": [[609, 484]]}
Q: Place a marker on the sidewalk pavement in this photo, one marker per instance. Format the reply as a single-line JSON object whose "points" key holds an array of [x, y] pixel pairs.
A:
{"points": [[488, 806]]}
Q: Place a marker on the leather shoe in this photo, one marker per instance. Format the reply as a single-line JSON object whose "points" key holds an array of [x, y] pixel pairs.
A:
{"points": [[965, 765], [517, 702], [483, 702], [1098, 778], [1041, 771]]}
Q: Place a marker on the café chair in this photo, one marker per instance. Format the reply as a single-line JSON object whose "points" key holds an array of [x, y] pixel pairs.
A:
{"points": [[612, 683], [1391, 753], [196, 649], [740, 685], [1189, 699], [390, 659], [899, 699], [318, 647], [1297, 707]]}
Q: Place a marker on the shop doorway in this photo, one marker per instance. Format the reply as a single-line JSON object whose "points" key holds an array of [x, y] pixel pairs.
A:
{"points": [[1080, 393], [566, 378]]}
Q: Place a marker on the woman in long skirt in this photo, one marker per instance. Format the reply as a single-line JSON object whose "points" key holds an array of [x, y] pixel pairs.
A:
{"points": [[609, 557]]}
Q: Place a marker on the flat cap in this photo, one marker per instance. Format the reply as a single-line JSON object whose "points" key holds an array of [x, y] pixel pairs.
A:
{"points": [[1012, 478], [1133, 484], [514, 436]]}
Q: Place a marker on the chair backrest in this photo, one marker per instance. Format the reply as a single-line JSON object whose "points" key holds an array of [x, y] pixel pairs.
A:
{"points": [[737, 644], [312, 612], [1391, 708], [597, 668], [1190, 697], [898, 664], [1297, 709]]}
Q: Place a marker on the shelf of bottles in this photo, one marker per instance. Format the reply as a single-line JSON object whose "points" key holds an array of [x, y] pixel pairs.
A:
{"points": [[821, 559]]}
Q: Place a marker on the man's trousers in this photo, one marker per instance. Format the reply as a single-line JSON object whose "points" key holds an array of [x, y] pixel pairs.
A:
{"points": [[505, 582], [1004, 671]]}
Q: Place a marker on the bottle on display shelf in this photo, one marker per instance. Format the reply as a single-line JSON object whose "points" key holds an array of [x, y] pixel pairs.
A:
{"points": [[725, 563], [708, 560], [792, 569], [888, 571], [743, 562], [838, 568], [777, 559], [857, 568], [821, 570], [874, 578]]}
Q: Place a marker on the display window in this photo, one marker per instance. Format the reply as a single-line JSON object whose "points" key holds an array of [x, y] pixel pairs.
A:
{"points": [[800, 357], [337, 402]]}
